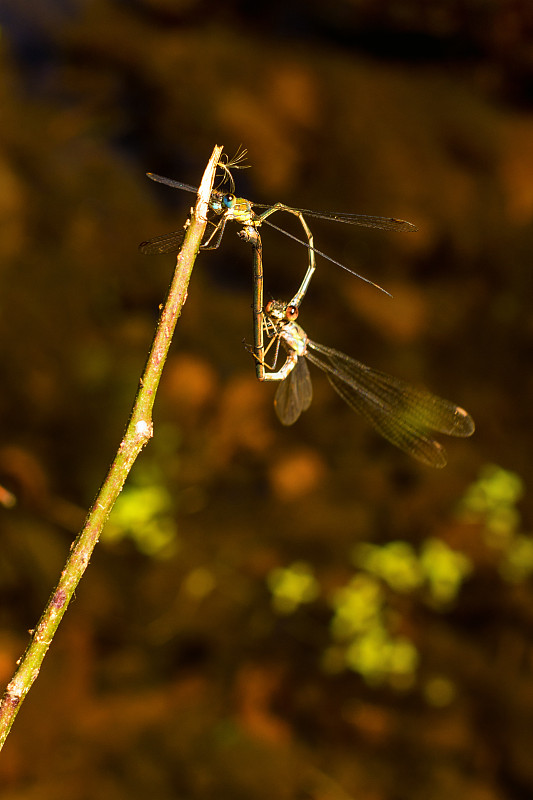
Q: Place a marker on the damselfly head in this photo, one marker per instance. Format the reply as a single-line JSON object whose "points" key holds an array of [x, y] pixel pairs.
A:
{"points": [[279, 312], [216, 202]]}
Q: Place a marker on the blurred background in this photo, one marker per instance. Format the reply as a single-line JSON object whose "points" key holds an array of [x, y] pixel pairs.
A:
{"points": [[297, 612]]}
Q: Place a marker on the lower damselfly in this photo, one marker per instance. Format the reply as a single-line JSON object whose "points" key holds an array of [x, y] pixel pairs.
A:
{"points": [[406, 416], [227, 207]]}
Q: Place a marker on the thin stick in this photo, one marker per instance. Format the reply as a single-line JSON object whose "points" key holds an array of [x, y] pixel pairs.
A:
{"points": [[138, 432]]}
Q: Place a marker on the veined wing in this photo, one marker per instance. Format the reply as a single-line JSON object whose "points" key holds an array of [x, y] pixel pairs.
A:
{"points": [[166, 243], [403, 414], [294, 394], [170, 182], [363, 220]]}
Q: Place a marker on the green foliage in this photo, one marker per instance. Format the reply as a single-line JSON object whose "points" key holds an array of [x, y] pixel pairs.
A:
{"points": [[491, 502], [438, 569], [395, 563], [365, 642], [358, 607], [364, 619], [492, 499], [145, 514], [363, 626], [145, 511], [444, 571], [292, 586]]}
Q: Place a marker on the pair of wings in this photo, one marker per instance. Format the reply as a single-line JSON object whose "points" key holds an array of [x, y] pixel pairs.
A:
{"points": [[404, 415], [170, 242]]}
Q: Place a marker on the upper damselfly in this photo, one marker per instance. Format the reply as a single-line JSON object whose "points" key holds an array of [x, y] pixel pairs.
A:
{"points": [[226, 207], [406, 416]]}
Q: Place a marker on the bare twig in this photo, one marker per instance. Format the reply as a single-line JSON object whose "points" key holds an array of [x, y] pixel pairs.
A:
{"points": [[138, 432]]}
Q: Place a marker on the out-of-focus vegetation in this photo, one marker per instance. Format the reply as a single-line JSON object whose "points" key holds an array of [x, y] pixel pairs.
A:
{"points": [[271, 612], [366, 615]]}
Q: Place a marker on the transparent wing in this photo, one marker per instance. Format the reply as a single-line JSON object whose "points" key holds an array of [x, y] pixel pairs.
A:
{"points": [[166, 243], [171, 242], [403, 414], [363, 220], [294, 394], [169, 182]]}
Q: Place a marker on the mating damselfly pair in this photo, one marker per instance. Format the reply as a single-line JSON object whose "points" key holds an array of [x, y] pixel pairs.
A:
{"points": [[407, 416]]}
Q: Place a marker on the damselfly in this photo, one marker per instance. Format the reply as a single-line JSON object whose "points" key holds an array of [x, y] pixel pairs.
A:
{"points": [[406, 416], [226, 207]]}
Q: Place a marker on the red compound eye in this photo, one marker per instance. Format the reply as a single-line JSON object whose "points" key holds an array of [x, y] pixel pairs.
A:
{"points": [[268, 307], [291, 313]]}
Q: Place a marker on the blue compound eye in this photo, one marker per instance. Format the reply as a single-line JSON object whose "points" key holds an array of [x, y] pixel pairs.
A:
{"points": [[228, 200]]}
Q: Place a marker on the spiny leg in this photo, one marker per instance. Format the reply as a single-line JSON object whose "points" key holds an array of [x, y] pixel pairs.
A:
{"points": [[273, 334], [218, 229]]}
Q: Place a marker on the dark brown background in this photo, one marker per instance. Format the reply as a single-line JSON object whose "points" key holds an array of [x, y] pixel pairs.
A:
{"points": [[172, 676]]}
